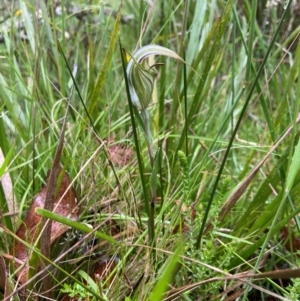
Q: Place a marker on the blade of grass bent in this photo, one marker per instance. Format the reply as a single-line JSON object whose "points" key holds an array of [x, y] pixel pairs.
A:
{"points": [[264, 191], [241, 277], [245, 253], [237, 193]]}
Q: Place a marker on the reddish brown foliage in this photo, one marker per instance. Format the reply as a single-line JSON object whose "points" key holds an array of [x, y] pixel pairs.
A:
{"points": [[65, 205]]}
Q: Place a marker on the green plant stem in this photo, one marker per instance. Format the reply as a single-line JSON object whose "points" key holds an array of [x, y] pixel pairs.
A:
{"points": [[139, 158], [145, 118], [151, 224]]}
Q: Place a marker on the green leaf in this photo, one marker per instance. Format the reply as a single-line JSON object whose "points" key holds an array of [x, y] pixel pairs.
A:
{"points": [[167, 274], [153, 177], [4, 145], [28, 23], [294, 169], [74, 225], [106, 65], [90, 282], [258, 203], [249, 250]]}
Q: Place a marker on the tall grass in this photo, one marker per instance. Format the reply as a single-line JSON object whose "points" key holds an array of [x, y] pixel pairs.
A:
{"points": [[225, 132]]}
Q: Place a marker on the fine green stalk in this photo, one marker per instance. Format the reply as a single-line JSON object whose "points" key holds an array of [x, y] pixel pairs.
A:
{"points": [[145, 119], [251, 39], [136, 141]]}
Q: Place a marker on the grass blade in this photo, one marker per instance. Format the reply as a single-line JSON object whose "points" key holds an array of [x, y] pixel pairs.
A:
{"points": [[95, 95], [74, 224]]}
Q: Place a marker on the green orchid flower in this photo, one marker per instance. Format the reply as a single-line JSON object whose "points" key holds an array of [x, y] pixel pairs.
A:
{"points": [[141, 78]]}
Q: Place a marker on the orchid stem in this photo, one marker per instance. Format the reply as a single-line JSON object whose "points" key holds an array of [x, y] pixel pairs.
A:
{"points": [[145, 118]]}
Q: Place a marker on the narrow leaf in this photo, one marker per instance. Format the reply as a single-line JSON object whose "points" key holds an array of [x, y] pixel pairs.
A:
{"points": [[167, 274], [49, 205], [75, 225], [2, 273], [241, 188], [294, 168], [106, 65], [7, 199]]}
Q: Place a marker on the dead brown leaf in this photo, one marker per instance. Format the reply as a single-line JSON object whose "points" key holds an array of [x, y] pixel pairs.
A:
{"points": [[120, 154], [7, 186], [65, 204], [2, 272]]}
